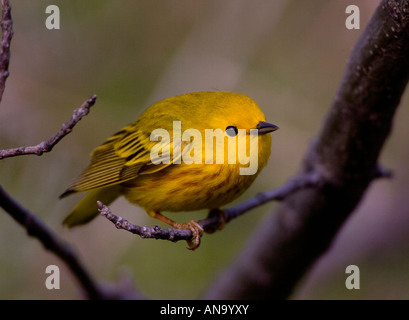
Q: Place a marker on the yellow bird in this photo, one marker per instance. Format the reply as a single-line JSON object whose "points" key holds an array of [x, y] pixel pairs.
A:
{"points": [[175, 172]]}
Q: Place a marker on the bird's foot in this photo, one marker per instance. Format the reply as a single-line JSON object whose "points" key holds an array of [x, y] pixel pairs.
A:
{"points": [[196, 230], [193, 226], [221, 217]]}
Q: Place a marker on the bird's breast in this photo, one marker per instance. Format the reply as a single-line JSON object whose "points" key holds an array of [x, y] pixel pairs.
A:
{"points": [[182, 187]]}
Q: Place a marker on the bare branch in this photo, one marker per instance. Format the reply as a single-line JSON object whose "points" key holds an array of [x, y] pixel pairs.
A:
{"points": [[7, 34], [212, 222], [312, 179], [36, 228], [47, 146], [155, 232]]}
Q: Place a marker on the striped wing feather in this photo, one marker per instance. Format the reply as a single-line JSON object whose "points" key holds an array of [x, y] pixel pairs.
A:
{"points": [[122, 157]]}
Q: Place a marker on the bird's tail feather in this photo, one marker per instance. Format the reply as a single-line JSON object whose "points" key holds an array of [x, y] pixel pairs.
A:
{"points": [[87, 209]]}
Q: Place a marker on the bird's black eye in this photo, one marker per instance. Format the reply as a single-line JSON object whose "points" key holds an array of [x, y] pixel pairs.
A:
{"points": [[231, 131]]}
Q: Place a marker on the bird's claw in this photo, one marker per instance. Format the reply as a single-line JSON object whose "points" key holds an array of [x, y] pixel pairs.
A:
{"points": [[222, 220], [197, 231]]}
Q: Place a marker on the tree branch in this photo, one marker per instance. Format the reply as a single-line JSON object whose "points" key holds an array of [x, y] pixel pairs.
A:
{"points": [[37, 229], [48, 145], [212, 222], [344, 153], [34, 226], [7, 34]]}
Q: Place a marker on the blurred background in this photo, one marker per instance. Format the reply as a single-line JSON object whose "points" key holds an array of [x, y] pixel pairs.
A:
{"points": [[287, 55]]}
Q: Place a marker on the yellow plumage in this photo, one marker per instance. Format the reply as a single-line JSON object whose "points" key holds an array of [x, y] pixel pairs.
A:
{"points": [[122, 165]]}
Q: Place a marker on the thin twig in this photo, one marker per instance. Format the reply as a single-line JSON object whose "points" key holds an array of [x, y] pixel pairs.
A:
{"points": [[312, 179], [7, 34], [34, 226], [212, 222], [155, 232], [46, 146]]}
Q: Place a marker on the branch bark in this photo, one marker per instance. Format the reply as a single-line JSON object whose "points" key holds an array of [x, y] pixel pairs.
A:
{"points": [[212, 222], [36, 228], [7, 34], [344, 154]]}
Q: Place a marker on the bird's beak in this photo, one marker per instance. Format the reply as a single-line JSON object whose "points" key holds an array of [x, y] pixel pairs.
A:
{"points": [[265, 127]]}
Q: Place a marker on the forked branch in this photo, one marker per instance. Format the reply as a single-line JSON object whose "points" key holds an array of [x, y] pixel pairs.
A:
{"points": [[212, 222]]}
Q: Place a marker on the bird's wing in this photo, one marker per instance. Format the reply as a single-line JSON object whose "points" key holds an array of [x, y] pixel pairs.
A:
{"points": [[123, 157]]}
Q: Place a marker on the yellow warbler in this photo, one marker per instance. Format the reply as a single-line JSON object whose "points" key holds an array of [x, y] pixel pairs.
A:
{"points": [[168, 159]]}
